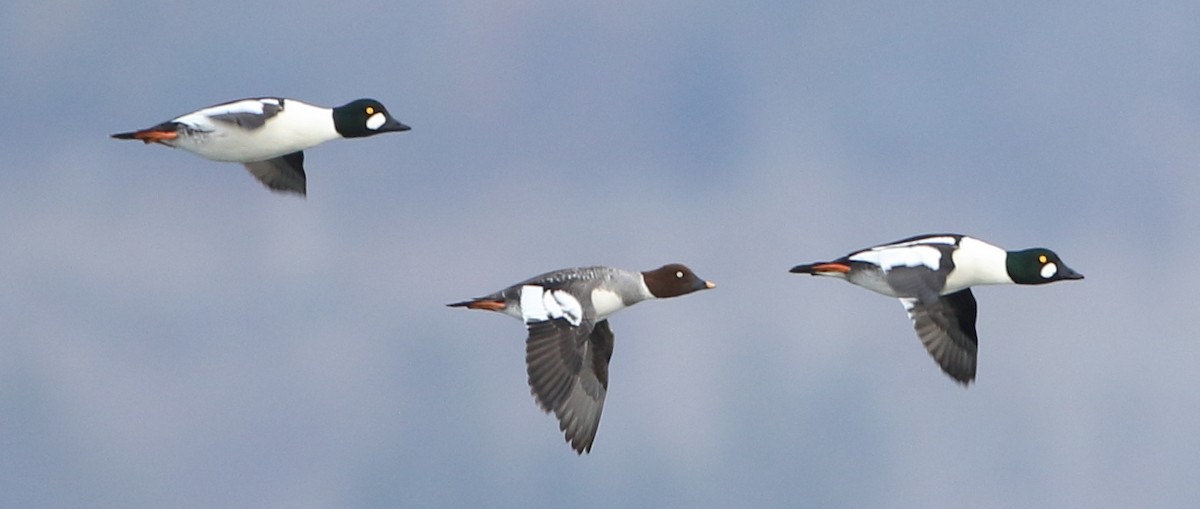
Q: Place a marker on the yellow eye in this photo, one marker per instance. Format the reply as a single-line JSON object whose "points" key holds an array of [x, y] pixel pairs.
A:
{"points": [[370, 110], [1042, 258]]}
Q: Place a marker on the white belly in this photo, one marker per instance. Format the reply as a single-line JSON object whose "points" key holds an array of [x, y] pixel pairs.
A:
{"points": [[298, 127]]}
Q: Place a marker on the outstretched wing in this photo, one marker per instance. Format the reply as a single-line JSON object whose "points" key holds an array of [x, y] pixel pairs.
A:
{"points": [[946, 326], [284, 173], [568, 374]]}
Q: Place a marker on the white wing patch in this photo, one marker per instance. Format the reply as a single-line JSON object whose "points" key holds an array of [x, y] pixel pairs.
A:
{"points": [[909, 304], [254, 106], [376, 120], [532, 309], [926, 241], [1049, 270], [201, 120], [539, 305], [909, 255]]}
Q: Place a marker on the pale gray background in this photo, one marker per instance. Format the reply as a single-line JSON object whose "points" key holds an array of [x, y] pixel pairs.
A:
{"points": [[176, 336]]}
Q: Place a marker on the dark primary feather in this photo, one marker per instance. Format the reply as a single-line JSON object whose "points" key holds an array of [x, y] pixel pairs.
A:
{"points": [[601, 340], [920, 282], [946, 326], [568, 374], [553, 357], [284, 173]]}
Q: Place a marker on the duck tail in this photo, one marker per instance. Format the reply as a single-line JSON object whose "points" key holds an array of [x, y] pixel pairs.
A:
{"points": [[822, 268], [160, 133], [481, 303]]}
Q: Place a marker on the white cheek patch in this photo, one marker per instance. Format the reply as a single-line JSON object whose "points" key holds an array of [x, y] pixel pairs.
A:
{"points": [[912, 256], [1049, 270], [539, 305], [376, 120]]}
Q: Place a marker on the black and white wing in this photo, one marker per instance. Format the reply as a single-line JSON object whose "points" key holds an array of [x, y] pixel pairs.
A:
{"points": [[247, 114], [946, 326], [568, 374], [284, 173]]}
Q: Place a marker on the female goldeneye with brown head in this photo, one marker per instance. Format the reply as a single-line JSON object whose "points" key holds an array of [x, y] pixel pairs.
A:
{"points": [[570, 343]]}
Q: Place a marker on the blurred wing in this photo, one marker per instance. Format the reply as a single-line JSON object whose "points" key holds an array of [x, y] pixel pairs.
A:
{"points": [[946, 327], [568, 374], [284, 173]]}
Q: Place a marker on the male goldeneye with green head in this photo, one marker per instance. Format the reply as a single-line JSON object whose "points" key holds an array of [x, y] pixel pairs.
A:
{"points": [[570, 343], [932, 275], [268, 134]]}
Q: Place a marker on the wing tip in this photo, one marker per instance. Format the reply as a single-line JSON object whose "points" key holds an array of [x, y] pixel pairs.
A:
{"points": [[289, 191], [579, 435], [581, 447], [962, 379]]}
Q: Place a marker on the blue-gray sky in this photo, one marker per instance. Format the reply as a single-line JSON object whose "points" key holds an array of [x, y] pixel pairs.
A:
{"points": [[177, 336]]}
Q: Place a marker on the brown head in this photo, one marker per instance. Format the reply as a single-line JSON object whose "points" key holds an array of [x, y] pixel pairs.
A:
{"points": [[673, 280]]}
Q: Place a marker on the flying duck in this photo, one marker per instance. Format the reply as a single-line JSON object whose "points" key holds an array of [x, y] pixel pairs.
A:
{"points": [[932, 275], [570, 343], [269, 134]]}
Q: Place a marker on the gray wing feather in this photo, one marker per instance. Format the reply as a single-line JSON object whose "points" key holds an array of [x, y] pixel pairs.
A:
{"points": [[946, 326], [921, 283], [284, 173], [568, 374], [249, 120]]}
